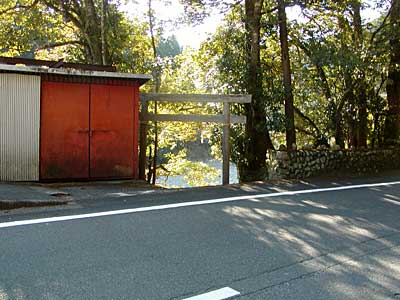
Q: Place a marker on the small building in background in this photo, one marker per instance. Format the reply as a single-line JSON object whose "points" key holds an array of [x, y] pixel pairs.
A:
{"points": [[67, 121]]}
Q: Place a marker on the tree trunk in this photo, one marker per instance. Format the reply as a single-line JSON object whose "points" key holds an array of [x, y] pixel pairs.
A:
{"points": [[347, 97], [392, 121], [287, 76], [339, 135], [362, 125], [156, 88], [89, 21], [104, 48], [253, 166], [92, 32]]}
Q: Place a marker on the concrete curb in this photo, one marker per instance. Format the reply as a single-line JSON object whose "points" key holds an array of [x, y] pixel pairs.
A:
{"points": [[14, 204]]}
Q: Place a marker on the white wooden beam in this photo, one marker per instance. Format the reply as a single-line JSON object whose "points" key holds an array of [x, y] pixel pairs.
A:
{"points": [[191, 118], [204, 98]]}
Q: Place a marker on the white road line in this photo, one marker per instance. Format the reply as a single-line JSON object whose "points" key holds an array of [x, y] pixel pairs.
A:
{"points": [[192, 203], [220, 294]]}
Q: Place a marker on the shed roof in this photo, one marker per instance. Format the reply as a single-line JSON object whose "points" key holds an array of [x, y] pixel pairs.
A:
{"points": [[43, 70]]}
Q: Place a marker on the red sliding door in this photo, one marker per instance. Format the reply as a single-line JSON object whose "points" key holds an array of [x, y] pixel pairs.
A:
{"points": [[112, 131], [64, 131]]}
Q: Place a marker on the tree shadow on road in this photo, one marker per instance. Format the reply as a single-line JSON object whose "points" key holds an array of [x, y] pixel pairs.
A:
{"points": [[349, 236]]}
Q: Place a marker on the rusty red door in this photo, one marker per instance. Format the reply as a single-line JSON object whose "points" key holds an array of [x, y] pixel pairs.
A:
{"points": [[64, 131], [112, 138]]}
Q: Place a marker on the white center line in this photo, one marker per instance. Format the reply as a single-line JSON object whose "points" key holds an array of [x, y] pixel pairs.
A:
{"points": [[220, 294], [192, 203]]}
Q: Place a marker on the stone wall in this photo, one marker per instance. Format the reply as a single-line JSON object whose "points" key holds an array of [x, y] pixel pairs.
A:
{"points": [[308, 163]]}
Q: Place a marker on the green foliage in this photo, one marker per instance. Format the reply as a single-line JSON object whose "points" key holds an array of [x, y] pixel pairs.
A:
{"points": [[48, 30], [29, 28], [133, 52], [331, 68], [194, 173], [181, 74]]}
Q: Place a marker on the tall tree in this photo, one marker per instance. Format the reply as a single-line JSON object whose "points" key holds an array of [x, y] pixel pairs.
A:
{"points": [[334, 41], [91, 31], [287, 75], [362, 126], [258, 140], [156, 88], [392, 122]]}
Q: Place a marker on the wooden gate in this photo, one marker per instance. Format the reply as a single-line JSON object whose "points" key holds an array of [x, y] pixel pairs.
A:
{"points": [[225, 118]]}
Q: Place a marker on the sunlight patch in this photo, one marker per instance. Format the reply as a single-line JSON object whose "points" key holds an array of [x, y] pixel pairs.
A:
{"points": [[315, 204], [326, 219], [391, 201], [3, 295], [287, 203], [361, 231], [286, 236]]}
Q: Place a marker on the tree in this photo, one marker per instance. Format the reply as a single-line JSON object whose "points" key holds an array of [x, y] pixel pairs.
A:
{"points": [[392, 122], [28, 26], [347, 66], [34, 29], [287, 75], [95, 27], [362, 126], [86, 17], [258, 141]]}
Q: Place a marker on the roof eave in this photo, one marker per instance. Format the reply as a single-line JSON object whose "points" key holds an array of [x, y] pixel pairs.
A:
{"points": [[35, 70]]}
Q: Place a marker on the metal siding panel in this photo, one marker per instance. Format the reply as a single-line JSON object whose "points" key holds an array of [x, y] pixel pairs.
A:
{"points": [[19, 127]]}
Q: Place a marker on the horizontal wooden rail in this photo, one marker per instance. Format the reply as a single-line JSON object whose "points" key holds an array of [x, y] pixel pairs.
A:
{"points": [[204, 98], [191, 118]]}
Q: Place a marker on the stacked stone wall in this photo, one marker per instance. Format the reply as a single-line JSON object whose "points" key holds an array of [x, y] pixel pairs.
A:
{"points": [[308, 163]]}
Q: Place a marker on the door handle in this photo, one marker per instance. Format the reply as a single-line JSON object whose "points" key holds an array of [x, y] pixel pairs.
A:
{"points": [[86, 131], [100, 130], [92, 131]]}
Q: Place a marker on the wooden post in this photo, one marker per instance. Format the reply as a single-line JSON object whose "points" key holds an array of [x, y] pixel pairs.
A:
{"points": [[226, 144], [154, 170], [143, 141]]}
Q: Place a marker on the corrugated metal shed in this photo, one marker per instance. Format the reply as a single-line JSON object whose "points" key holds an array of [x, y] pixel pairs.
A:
{"points": [[40, 128], [19, 127]]}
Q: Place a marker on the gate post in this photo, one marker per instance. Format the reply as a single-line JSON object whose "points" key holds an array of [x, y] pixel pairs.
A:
{"points": [[226, 151]]}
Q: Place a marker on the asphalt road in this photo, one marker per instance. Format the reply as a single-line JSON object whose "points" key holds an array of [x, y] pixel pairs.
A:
{"points": [[335, 244]]}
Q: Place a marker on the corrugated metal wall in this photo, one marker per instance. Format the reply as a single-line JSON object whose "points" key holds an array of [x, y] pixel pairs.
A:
{"points": [[19, 127]]}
